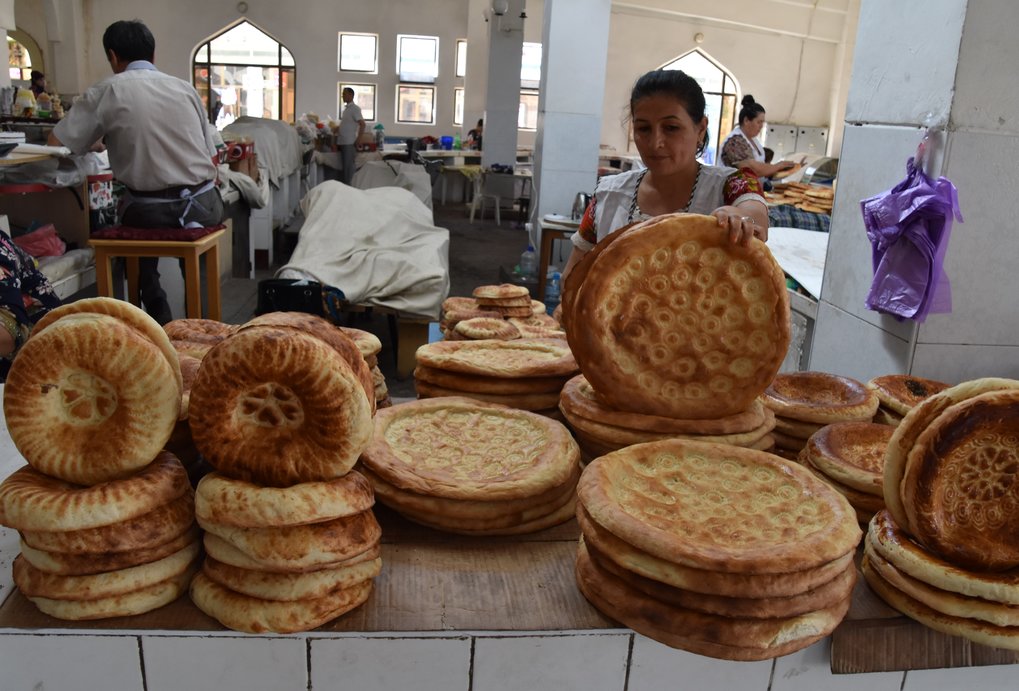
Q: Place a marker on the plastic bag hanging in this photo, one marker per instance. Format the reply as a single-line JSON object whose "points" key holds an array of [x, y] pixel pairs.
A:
{"points": [[909, 227]]}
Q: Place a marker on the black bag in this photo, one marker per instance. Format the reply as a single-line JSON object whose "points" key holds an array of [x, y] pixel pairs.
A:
{"points": [[289, 295]]}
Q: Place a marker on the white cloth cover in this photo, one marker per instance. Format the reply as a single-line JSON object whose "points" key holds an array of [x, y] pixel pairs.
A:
{"points": [[379, 246], [409, 176], [277, 144]]}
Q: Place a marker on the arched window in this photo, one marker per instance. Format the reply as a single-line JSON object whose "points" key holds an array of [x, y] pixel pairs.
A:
{"points": [[247, 72], [720, 91], [19, 59]]}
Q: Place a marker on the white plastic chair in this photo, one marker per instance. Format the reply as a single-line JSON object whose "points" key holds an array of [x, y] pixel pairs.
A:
{"points": [[482, 192]]}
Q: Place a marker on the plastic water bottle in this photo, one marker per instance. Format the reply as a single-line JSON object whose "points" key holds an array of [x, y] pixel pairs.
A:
{"points": [[380, 137], [529, 262], [552, 293], [457, 144]]}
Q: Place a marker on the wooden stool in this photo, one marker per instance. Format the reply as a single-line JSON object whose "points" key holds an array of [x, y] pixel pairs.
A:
{"points": [[188, 250]]}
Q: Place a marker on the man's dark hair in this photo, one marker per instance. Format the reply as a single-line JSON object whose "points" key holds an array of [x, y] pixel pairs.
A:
{"points": [[130, 40], [348, 90]]}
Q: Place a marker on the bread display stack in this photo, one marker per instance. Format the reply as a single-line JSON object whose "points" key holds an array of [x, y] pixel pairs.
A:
{"points": [[194, 337], [282, 409], [731, 553], [900, 393], [677, 332], [850, 456], [370, 347], [804, 402], [497, 313], [945, 552], [527, 374], [464, 466], [106, 517]]}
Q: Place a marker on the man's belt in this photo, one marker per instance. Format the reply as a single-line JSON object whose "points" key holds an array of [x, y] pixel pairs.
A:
{"points": [[170, 192]]}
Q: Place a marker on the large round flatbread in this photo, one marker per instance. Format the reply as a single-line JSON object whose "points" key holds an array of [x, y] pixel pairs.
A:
{"points": [[501, 292], [820, 397], [476, 383], [727, 638], [673, 319], [574, 280], [245, 505], [536, 521], [85, 564], [254, 615], [221, 550], [914, 424], [91, 399], [523, 401], [30, 500], [520, 358], [959, 489], [902, 392], [852, 453], [279, 407], [460, 448], [481, 328], [718, 507], [579, 399], [198, 330], [622, 436], [290, 586], [368, 343]]}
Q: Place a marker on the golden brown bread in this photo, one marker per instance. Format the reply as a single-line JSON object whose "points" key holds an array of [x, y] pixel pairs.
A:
{"points": [[820, 397], [507, 359], [290, 586], [198, 330], [902, 392], [501, 291], [851, 453], [521, 401], [481, 328], [573, 282], [85, 564], [675, 320], [477, 383], [91, 399], [532, 524], [366, 342], [221, 550], [621, 436], [279, 407]]}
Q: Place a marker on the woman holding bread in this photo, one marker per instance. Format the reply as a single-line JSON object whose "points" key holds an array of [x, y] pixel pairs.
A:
{"points": [[741, 149], [670, 131]]}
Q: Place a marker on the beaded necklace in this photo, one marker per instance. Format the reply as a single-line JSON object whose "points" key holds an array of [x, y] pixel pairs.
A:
{"points": [[635, 208]]}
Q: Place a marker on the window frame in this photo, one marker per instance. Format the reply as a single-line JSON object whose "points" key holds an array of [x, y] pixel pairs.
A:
{"points": [[534, 93], [414, 85], [730, 91], [531, 84], [460, 66], [339, 52], [421, 77], [463, 100], [341, 85]]}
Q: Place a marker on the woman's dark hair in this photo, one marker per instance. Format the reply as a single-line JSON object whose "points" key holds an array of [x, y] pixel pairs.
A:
{"points": [[130, 40], [750, 110], [680, 86], [37, 75]]}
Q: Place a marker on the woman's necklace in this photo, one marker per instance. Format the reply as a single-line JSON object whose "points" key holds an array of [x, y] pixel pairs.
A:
{"points": [[635, 208]]}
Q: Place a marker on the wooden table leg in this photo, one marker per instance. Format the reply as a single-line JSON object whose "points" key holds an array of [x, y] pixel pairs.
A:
{"points": [[212, 280], [104, 274], [413, 334], [132, 281], [192, 285]]}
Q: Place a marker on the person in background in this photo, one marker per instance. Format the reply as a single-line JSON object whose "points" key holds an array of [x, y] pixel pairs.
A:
{"points": [[741, 148], [38, 85], [670, 132], [154, 127], [475, 136], [351, 129], [25, 296]]}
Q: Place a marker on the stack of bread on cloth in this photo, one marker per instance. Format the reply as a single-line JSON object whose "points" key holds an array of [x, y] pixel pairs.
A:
{"points": [[503, 312], [282, 408], [688, 538], [945, 552], [464, 466], [106, 517], [528, 374]]}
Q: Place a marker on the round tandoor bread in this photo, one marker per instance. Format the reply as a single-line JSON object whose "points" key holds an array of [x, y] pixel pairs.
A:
{"points": [[673, 319], [520, 358], [718, 507], [852, 453], [902, 392], [820, 397], [91, 399], [278, 407]]}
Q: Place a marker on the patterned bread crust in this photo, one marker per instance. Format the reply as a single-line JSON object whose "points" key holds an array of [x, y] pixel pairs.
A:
{"points": [[30, 500], [487, 327], [255, 615], [675, 320], [902, 392], [220, 499], [578, 399], [35, 583], [959, 488], [279, 407], [91, 399], [191, 349], [455, 304], [913, 425], [86, 564], [718, 507], [820, 397], [290, 586], [867, 504], [460, 448], [727, 638], [127, 605], [522, 301], [151, 529], [521, 401], [477, 383], [221, 550], [189, 370], [573, 282], [894, 546], [508, 359], [332, 335], [852, 453], [368, 343], [198, 330], [134, 317], [501, 291]]}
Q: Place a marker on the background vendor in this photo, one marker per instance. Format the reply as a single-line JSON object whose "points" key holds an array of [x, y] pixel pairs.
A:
{"points": [[154, 126], [25, 296], [742, 149]]}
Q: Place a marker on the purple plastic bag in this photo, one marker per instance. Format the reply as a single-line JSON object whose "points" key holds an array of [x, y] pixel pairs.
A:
{"points": [[908, 227]]}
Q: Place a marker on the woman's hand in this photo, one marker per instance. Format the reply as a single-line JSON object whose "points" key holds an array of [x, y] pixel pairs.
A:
{"points": [[742, 223]]}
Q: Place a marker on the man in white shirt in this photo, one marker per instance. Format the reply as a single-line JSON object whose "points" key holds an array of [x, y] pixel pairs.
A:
{"points": [[155, 128], [351, 129]]}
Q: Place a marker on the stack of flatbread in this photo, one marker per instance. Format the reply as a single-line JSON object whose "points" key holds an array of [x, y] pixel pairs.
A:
{"points": [[946, 551], [817, 199], [488, 318], [600, 430], [370, 347], [900, 393], [194, 337], [464, 466], [106, 517], [282, 409], [731, 553], [804, 402], [525, 373], [850, 456]]}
